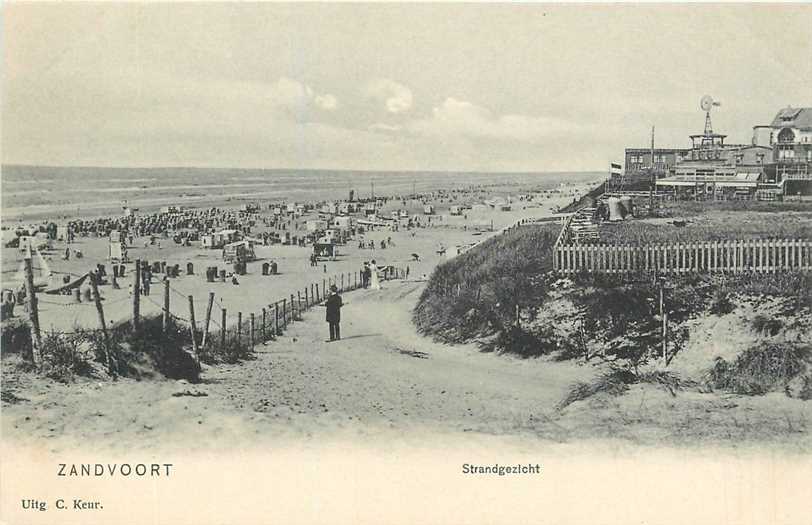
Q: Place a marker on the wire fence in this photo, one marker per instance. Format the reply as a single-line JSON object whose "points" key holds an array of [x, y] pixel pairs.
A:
{"points": [[222, 326]]}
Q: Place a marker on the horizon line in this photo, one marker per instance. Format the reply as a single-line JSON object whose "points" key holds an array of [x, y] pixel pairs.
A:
{"points": [[24, 165]]}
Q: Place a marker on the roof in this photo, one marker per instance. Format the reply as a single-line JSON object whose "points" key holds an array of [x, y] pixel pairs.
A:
{"points": [[793, 118]]}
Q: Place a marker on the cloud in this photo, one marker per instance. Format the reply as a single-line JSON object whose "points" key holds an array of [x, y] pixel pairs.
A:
{"points": [[459, 118], [327, 102], [396, 97], [299, 98]]}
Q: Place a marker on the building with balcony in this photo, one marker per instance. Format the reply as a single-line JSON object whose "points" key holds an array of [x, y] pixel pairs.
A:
{"points": [[789, 138], [639, 160]]}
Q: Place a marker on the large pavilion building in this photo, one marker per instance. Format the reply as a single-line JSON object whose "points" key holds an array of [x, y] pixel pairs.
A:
{"points": [[778, 162]]}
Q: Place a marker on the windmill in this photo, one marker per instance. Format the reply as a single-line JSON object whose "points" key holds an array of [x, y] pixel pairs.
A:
{"points": [[706, 103]]}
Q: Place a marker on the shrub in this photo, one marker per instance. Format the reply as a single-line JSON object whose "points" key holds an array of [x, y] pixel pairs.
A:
{"points": [[167, 349], [760, 369], [613, 383], [232, 352], [515, 340], [65, 355], [767, 325], [721, 303]]}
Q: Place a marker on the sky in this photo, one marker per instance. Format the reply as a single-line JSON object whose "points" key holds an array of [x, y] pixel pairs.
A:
{"points": [[507, 87]]}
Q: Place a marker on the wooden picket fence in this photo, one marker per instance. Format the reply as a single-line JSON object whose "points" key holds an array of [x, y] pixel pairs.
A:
{"points": [[752, 255]]}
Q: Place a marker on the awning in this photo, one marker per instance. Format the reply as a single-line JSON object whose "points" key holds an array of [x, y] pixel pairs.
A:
{"points": [[737, 184], [666, 182]]}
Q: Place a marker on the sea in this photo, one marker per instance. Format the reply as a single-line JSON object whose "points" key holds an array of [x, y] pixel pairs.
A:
{"points": [[30, 192]]}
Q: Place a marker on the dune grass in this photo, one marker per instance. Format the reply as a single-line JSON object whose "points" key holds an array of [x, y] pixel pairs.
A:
{"points": [[476, 294]]}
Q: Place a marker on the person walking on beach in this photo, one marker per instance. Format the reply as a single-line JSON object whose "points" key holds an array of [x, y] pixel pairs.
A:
{"points": [[334, 305], [374, 282], [147, 280]]}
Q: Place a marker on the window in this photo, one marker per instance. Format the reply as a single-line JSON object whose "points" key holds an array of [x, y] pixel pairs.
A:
{"points": [[786, 135]]}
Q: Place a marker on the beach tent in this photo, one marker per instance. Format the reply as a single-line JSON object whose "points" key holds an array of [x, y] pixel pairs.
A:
{"points": [[240, 251], [114, 252], [66, 287]]}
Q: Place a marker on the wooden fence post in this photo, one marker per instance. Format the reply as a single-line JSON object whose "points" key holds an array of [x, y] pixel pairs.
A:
{"points": [[33, 312], [137, 295], [312, 295], [307, 302], [292, 309], [100, 311], [264, 317], [223, 321], [276, 315], [192, 324], [165, 321], [342, 282], [252, 330], [208, 319], [239, 327], [299, 302], [284, 313], [317, 294]]}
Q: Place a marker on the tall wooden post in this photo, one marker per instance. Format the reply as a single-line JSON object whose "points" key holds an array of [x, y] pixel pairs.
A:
{"points": [[252, 330], [307, 301], [165, 323], [292, 309], [33, 312], [192, 324], [342, 282], [312, 294], [239, 327], [664, 317], [100, 311], [318, 296], [137, 295], [264, 319], [299, 302], [208, 319], [276, 316], [285, 313], [223, 321]]}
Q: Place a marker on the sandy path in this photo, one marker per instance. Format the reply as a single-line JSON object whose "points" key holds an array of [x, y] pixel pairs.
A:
{"points": [[381, 380]]}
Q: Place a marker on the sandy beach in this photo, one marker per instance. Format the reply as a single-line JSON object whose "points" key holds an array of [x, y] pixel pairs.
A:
{"points": [[255, 291]]}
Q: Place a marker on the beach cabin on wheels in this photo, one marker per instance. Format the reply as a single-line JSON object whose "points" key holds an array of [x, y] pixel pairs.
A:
{"points": [[455, 210], [428, 209], [343, 223], [240, 251], [219, 239], [115, 253], [316, 225]]}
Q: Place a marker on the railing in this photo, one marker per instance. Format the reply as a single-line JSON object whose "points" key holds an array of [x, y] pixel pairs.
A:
{"points": [[755, 255]]}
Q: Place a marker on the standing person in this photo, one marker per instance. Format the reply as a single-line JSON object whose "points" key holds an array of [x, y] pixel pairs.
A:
{"points": [[375, 284], [334, 305], [367, 274], [147, 280]]}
